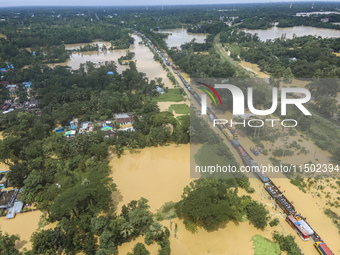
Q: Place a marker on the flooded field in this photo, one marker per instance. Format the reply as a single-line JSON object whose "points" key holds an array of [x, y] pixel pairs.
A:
{"points": [[180, 36], [277, 32], [23, 225], [254, 68], [156, 173], [160, 174], [145, 62]]}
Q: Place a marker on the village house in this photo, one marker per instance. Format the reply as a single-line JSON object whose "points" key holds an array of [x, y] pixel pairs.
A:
{"points": [[108, 133], [3, 182], [12, 88], [160, 90], [7, 198], [123, 119], [70, 133], [86, 127]]}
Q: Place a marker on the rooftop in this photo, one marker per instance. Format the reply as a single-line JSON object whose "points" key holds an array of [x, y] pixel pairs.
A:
{"points": [[301, 225], [121, 115], [7, 198]]}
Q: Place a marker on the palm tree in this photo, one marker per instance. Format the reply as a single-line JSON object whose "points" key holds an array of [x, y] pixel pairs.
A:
{"points": [[118, 150], [127, 230]]}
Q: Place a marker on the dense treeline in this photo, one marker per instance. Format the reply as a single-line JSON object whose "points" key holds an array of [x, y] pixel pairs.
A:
{"points": [[312, 21], [42, 38], [11, 53], [263, 16], [213, 202], [201, 65], [42, 35], [253, 23], [288, 58], [211, 28]]}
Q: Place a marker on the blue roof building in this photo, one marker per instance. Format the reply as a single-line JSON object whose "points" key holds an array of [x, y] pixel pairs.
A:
{"points": [[28, 85]]}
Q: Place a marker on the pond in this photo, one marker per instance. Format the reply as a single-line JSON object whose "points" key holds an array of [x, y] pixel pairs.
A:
{"points": [[180, 36], [277, 32]]}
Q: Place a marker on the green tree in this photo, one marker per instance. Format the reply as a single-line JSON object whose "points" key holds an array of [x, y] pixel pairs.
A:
{"points": [[139, 249], [274, 222], [140, 217], [47, 241], [287, 243], [7, 244], [257, 214], [208, 201]]}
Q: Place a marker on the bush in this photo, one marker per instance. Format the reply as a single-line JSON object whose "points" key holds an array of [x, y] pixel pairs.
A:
{"points": [[287, 243], [274, 222], [139, 249], [250, 190], [257, 214], [165, 247], [190, 226]]}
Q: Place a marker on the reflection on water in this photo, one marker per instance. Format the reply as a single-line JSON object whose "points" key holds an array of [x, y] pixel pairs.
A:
{"points": [[180, 35], [277, 32], [145, 62]]}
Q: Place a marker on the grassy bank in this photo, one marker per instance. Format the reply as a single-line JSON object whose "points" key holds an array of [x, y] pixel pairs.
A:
{"points": [[179, 108], [172, 95]]}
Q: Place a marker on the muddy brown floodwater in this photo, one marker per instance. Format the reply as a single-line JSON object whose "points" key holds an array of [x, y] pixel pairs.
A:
{"points": [[277, 32], [180, 36], [160, 174], [156, 173], [145, 62], [23, 225]]}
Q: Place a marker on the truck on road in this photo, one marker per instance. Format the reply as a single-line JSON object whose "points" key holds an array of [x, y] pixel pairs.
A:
{"points": [[322, 248]]}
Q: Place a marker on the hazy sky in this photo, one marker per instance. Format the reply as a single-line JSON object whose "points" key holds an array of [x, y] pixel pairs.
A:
{"points": [[6, 3]]}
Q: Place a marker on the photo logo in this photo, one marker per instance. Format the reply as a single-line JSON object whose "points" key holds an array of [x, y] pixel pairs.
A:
{"points": [[238, 99], [213, 90]]}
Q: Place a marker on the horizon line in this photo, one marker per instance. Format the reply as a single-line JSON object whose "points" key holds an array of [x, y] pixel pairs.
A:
{"points": [[167, 4]]}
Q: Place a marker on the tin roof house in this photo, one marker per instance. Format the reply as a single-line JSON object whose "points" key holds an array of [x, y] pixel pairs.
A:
{"points": [[123, 119], [160, 90]]}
